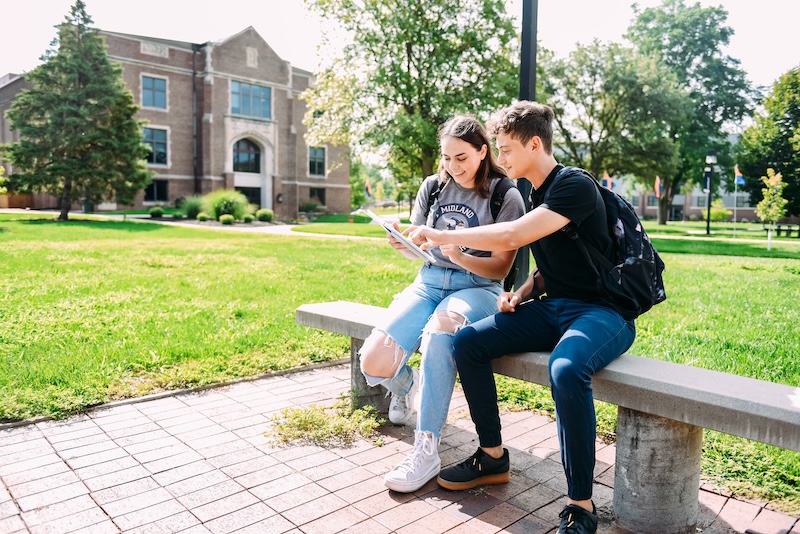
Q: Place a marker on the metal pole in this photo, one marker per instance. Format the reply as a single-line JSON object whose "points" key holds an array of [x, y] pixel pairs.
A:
{"points": [[527, 91], [735, 191], [708, 212], [527, 75]]}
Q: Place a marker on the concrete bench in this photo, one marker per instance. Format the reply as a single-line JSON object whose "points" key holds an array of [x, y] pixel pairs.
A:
{"points": [[782, 227], [662, 410], [788, 228]]}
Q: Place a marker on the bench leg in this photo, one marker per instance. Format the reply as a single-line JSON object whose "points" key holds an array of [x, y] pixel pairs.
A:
{"points": [[657, 474], [362, 393]]}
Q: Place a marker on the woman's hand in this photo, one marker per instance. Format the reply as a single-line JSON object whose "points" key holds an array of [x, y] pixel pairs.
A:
{"points": [[397, 245]]}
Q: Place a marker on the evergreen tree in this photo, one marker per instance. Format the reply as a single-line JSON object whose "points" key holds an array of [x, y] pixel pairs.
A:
{"points": [[79, 140]]}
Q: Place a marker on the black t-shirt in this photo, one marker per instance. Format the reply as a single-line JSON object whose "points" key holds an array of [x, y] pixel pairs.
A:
{"points": [[562, 264]]}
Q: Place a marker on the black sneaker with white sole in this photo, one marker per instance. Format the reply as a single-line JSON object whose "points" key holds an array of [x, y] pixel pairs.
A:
{"points": [[480, 468], [577, 520]]}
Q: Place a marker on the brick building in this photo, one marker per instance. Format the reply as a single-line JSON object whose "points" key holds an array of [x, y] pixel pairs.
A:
{"points": [[222, 114]]}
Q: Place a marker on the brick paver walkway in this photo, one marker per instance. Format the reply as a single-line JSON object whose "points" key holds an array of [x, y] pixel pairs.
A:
{"points": [[200, 462]]}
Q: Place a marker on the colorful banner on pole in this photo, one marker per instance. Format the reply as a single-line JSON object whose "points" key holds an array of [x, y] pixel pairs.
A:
{"points": [[738, 174], [607, 183], [657, 187], [368, 188]]}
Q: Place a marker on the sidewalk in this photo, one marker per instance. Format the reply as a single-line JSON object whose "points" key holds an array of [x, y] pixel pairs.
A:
{"points": [[199, 462]]}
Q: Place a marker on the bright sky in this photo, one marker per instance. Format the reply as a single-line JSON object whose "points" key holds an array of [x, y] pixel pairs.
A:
{"points": [[764, 39]]}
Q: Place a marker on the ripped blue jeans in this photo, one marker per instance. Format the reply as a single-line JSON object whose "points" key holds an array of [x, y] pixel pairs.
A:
{"points": [[416, 322]]}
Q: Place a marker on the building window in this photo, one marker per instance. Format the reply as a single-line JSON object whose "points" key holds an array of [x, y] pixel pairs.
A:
{"points": [[318, 194], [246, 157], [156, 191], [253, 194], [635, 201], [251, 100], [652, 200], [700, 202], [741, 201], [316, 161], [157, 139], [154, 92]]}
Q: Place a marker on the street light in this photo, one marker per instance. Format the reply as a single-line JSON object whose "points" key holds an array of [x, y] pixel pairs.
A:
{"points": [[711, 160]]}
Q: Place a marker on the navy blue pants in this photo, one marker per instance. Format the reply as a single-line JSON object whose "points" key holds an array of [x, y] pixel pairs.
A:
{"points": [[583, 338]]}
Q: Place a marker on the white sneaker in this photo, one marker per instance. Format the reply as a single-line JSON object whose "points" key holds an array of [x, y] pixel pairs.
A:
{"points": [[403, 410], [418, 468]]}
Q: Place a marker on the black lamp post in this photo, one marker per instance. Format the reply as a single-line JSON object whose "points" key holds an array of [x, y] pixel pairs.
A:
{"points": [[711, 160], [527, 67], [527, 91]]}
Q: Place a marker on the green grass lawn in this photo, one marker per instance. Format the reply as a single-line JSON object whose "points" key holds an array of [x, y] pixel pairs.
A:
{"points": [[94, 311]]}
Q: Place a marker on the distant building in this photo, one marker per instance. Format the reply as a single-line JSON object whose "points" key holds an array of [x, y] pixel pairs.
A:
{"points": [[694, 206], [222, 114]]}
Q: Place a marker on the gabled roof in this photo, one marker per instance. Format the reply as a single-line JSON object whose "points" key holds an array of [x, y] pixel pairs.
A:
{"points": [[168, 42], [235, 35]]}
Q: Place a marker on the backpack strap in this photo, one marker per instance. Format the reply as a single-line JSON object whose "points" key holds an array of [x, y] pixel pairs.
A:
{"points": [[433, 195], [588, 250], [495, 205], [499, 193]]}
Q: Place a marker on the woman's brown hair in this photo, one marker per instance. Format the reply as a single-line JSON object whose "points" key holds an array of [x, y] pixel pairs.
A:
{"points": [[469, 129]]}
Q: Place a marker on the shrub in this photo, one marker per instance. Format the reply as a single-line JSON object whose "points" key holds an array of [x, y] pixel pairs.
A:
{"points": [[202, 216], [309, 206], [247, 218], [156, 212], [178, 215], [265, 215], [192, 206], [226, 202], [226, 218], [718, 211]]}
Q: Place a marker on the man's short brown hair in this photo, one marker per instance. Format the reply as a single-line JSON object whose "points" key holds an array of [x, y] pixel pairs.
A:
{"points": [[523, 121]]}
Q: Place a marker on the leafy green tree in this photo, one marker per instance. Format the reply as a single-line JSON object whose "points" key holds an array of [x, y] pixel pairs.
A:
{"points": [[405, 69], [360, 172], [358, 183], [772, 207], [689, 39], [3, 189], [774, 141], [613, 109], [79, 140], [380, 193]]}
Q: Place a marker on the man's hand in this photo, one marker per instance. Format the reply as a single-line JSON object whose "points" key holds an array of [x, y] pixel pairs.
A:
{"points": [[425, 236], [507, 302], [452, 251]]}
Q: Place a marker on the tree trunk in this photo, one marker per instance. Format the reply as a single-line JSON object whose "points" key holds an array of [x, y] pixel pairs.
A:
{"points": [[427, 166], [65, 201], [663, 206]]}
